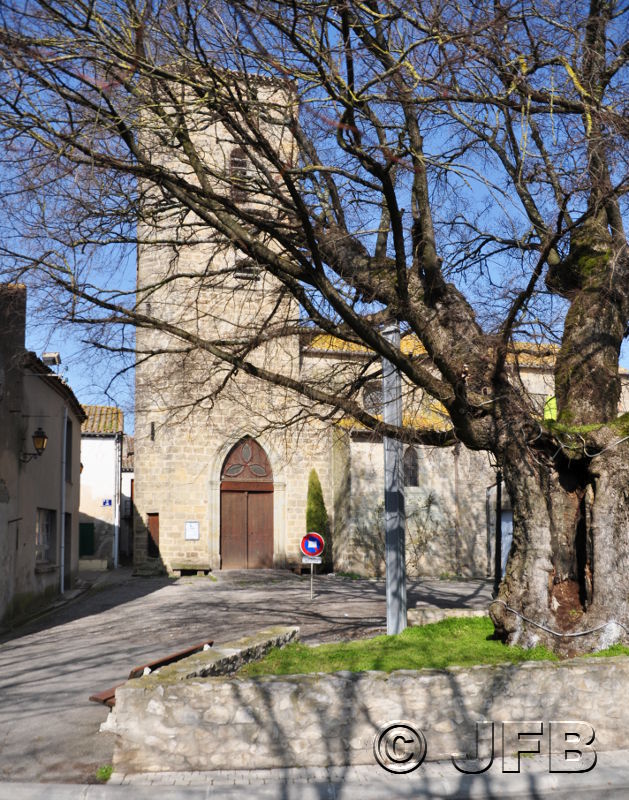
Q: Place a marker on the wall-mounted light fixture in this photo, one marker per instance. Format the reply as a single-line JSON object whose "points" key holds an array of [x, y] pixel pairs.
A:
{"points": [[40, 440]]}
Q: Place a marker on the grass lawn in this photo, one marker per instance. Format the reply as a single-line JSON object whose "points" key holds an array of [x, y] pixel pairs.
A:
{"points": [[452, 642]]}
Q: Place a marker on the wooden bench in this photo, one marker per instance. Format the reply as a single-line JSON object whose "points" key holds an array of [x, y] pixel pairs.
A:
{"points": [[108, 696], [180, 568]]}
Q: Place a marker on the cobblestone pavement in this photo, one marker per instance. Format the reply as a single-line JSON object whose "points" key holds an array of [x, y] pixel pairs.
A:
{"points": [[49, 731]]}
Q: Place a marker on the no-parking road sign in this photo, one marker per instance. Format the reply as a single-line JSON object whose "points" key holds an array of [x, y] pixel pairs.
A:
{"points": [[312, 544]]}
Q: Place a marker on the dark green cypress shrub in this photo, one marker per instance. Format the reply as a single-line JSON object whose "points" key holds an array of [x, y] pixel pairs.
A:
{"points": [[316, 514]]}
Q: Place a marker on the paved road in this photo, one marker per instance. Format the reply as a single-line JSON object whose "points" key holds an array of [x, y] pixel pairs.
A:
{"points": [[49, 731]]}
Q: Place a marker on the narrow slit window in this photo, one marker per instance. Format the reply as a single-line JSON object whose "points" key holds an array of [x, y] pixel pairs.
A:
{"points": [[239, 174]]}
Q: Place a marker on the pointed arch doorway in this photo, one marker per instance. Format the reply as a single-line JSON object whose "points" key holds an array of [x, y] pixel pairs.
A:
{"points": [[246, 508]]}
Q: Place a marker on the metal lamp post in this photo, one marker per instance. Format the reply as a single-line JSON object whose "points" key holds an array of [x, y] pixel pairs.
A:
{"points": [[395, 559]]}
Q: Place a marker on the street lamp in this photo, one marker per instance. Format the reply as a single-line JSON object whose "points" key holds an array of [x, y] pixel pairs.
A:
{"points": [[40, 440]]}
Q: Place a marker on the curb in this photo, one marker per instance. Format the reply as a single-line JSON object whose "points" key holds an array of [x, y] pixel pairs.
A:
{"points": [[433, 781]]}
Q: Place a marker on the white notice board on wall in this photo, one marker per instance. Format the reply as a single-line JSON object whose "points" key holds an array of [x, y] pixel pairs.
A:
{"points": [[192, 530]]}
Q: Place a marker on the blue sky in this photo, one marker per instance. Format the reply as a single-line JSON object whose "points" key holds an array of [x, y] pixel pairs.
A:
{"points": [[90, 375]]}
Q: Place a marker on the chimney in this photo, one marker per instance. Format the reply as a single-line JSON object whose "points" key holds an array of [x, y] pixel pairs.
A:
{"points": [[12, 319]]}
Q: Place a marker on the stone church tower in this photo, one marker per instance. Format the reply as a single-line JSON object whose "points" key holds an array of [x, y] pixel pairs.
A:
{"points": [[220, 479]]}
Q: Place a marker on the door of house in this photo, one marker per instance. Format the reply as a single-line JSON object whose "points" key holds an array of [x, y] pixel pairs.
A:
{"points": [[246, 508], [153, 535]]}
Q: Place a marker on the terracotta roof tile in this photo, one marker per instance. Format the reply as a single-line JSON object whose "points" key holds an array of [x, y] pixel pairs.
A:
{"points": [[526, 354], [102, 420]]}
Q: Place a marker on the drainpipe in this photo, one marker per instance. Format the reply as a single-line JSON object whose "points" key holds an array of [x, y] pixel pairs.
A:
{"points": [[498, 551], [457, 509], [62, 521], [488, 527], [117, 482]]}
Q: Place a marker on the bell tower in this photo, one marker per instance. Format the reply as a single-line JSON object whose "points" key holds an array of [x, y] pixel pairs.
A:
{"points": [[208, 307]]}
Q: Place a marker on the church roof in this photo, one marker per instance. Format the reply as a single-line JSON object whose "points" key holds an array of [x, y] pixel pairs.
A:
{"points": [[524, 354]]}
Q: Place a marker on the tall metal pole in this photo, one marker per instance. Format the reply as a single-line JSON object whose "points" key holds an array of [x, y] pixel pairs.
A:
{"points": [[395, 557]]}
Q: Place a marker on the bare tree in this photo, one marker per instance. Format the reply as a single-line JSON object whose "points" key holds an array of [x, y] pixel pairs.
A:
{"points": [[459, 168]]}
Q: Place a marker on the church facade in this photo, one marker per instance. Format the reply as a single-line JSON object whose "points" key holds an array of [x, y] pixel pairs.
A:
{"points": [[223, 458], [223, 488]]}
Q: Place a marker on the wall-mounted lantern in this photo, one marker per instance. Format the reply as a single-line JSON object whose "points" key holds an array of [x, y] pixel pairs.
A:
{"points": [[40, 440]]}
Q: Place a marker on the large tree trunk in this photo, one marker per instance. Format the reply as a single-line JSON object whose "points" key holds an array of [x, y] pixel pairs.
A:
{"points": [[568, 569]]}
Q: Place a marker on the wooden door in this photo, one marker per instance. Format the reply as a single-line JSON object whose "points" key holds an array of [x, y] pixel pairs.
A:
{"points": [[259, 529], [233, 530], [246, 529], [246, 508], [153, 535]]}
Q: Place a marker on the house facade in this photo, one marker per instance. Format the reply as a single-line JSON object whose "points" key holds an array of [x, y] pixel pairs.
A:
{"points": [[101, 485], [39, 486], [126, 494]]}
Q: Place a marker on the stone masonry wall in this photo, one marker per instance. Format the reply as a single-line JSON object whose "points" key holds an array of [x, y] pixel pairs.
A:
{"points": [[325, 720], [446, 525], [190, 410], [178, 477]]}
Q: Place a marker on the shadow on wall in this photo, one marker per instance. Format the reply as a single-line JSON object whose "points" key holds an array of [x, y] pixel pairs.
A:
{"points": [[446, 529], [147, 559], [342, 499], [310, 720], [435, 545], [96, 538], [366, 551], [25, 604], [430, 545]]}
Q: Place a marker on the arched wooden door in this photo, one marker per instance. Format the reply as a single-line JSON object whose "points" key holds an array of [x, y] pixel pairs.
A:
{"points": [[246, 508]]}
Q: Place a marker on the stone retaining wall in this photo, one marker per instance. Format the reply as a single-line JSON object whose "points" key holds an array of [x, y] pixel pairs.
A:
{"points": [[425, 615], [224, 659], [166, 723]]}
